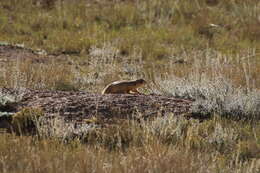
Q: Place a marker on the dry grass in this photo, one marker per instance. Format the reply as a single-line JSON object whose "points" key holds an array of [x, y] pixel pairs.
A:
{"points": [[206, 50], [164, 145]]}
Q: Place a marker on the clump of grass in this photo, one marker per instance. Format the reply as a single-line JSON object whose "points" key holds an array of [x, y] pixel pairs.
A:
{"points": [[218, 96], [55, 127], [24, 121]]}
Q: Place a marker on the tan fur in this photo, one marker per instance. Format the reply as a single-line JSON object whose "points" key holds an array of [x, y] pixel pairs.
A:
{"points": [[124, 87]]}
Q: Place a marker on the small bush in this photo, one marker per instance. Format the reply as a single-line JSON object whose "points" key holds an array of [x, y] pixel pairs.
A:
{"points": [[215, 96]]}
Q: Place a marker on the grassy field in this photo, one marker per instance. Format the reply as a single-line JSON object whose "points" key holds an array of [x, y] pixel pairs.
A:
{"points": [[164, 145], [208, 50]]}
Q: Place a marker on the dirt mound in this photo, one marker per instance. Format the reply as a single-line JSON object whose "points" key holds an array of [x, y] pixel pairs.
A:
{"points": [[82, 105]]}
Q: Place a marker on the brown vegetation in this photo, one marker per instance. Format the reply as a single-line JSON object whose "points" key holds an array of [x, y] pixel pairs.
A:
{"points": [[197, 56]]}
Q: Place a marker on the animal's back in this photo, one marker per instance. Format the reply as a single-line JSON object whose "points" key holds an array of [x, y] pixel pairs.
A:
{"points": [[117, 87]]}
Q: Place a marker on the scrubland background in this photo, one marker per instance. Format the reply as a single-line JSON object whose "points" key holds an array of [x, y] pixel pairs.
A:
{"points": [[207, 50]]}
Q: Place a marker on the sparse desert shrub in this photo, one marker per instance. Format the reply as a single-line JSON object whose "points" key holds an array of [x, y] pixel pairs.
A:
{"points": [[216, 97], [212, 90]]}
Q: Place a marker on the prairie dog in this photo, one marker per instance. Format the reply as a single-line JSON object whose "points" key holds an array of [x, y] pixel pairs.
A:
{"points": [[124, 87]]}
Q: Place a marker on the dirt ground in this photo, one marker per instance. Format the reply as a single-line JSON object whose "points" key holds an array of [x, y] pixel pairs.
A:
{"points": [[78, 105]]}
